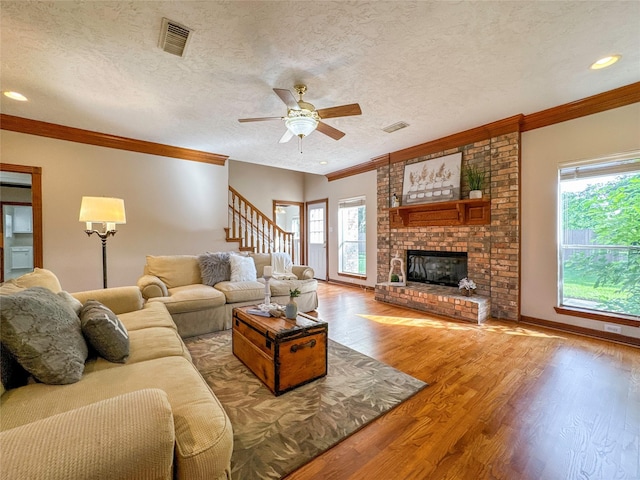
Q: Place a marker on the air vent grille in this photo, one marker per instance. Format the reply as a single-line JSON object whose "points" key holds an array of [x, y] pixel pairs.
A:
{"points": [[174, 37], [395, 127]]}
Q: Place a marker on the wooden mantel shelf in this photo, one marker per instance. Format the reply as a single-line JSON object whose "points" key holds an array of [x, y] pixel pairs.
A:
{"points": [[457, 212]]}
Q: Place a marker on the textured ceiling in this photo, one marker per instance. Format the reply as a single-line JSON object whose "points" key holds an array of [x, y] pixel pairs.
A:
{"points": [[442, 67]]}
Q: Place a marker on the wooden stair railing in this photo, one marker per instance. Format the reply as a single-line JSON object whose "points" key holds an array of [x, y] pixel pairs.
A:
{"points": [[253, 230]]}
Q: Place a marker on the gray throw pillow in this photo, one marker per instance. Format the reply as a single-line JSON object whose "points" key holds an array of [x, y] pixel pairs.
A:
{"points": [[11, 372], [214, 268], [105, 332], [73, 302], [43, 333]]}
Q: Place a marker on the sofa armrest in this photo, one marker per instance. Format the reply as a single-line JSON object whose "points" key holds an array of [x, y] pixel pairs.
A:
{"points": [[118, 299], [303, 272], [127, 436], [151, 287]]}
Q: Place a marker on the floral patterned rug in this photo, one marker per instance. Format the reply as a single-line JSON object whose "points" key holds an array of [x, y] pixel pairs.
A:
{"points": [[273, 436]]}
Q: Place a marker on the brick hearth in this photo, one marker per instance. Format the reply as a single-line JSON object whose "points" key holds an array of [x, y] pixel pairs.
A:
{"points": [[493, 249], [447, 301]]}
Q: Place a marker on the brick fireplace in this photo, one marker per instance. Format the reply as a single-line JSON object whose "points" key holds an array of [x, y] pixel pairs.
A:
{"points": [[492, 244]]}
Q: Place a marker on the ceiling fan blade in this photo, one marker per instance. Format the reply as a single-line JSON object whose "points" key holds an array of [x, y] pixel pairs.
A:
{"points": [[287, 97], [341, 111], [330, 131], [261, 119], [288, 135]]}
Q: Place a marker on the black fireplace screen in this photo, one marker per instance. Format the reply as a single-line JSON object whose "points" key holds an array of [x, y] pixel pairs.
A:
{"points": [[439, 268]]}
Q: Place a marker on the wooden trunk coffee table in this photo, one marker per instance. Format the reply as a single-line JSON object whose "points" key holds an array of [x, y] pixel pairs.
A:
{"points": [[283, 353]]}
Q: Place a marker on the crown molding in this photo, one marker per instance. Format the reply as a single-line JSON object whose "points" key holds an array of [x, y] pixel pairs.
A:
{"points": [[618, 97], [601, 102], [372, 164], [477, 134], [61, 132]]}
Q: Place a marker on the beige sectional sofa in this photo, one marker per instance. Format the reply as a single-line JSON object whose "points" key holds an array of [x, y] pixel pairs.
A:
{"points": [[152, 417], [176, 282]]}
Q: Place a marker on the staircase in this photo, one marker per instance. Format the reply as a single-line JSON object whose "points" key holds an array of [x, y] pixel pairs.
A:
{"points": [[253, 230]]}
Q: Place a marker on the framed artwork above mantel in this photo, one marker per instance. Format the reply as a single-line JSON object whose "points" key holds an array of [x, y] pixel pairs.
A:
{"points": [[434, 180]]}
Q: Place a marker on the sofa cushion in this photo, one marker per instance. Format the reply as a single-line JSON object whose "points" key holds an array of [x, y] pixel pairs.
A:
{"points": [[105, 332], [117, 299], [9, 287], [204, 436], [138, 441], [40, 277], [174, 270], [191, 298], [261, 260], [235, 292], [215, 267], [146, 344], [243, 269], [43, 333], [153, 314], [282, 287]]}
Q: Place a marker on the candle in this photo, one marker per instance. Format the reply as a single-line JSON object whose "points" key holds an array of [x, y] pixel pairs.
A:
{"points": [[268, 270], [111, 226], [88, 225]]}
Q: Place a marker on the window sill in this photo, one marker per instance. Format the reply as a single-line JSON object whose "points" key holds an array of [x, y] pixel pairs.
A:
{"points": [[352, 275], [600, 316]]}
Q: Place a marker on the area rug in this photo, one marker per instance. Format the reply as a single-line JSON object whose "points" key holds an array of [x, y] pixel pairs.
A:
{"points": [[273, 436]]}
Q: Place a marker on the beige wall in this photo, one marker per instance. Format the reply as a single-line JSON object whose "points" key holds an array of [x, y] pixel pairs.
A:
{"points": [[173, 206], [543, 149], [261, 184], [318, 187]]}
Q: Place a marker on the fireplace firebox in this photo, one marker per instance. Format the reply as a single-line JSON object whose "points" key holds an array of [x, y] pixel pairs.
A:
{"points": [[436, 267]]}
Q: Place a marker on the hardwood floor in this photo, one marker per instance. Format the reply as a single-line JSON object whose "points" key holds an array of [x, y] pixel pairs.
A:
{"points": [[505, 401]]}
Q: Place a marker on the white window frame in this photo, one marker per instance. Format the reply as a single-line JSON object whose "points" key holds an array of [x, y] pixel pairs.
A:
{"points": [[353, 202], [628, 162]]}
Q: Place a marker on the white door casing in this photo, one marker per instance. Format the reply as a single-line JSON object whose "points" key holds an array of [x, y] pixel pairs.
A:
{"points": [[317, 238]]}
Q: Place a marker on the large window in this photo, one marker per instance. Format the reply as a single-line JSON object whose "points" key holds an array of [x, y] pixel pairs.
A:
{"points": [[599, 232], [352, 232]]}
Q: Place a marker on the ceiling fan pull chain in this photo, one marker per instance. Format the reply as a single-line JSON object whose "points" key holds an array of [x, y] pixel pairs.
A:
{"points": [[300, 144]]}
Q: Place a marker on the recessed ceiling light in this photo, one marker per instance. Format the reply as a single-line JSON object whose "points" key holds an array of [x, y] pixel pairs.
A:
{"points": [[605, 62], [16, 96], [323, 162]]}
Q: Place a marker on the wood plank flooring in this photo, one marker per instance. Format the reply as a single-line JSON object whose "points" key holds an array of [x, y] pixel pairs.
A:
{"points": [[505, 401]]}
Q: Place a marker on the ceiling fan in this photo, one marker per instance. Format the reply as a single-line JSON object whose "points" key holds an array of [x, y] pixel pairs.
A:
{"points": [[302, 118]]}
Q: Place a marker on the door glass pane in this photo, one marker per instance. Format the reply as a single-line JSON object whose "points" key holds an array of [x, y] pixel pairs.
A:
{"points": [[316, 225]]}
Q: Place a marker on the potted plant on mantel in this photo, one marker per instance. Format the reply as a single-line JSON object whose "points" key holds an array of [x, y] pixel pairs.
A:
{"points": [[475, 177]]}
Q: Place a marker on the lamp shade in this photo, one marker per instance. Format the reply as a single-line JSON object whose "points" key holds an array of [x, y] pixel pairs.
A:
{"points": [[102, 210], [301, 126]]}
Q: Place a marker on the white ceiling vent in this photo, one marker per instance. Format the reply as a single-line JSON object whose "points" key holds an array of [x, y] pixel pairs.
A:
{"points": [[174, 37], [395, 127]]}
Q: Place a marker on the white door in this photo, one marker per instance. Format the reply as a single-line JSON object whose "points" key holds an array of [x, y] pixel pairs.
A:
{"points": [[317, 235]]}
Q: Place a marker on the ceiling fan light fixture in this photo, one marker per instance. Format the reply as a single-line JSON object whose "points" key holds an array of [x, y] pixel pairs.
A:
{"points": [[301, 125]]}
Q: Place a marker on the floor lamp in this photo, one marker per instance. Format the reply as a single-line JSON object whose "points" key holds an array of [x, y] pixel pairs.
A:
{"points": [[107, 211]]}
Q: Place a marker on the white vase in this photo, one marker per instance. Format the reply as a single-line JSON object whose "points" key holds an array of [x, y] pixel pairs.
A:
{"points": [[475, 194], [291, 309]]}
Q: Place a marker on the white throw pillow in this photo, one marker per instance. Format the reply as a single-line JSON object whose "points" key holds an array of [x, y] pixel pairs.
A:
{"points": [[243, 269]]}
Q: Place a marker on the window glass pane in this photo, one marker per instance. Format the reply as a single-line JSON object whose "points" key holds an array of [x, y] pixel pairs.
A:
{"points": [[600, 241], [316, 226], [352, 237]]}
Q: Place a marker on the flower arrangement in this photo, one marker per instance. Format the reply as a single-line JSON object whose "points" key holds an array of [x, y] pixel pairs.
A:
{"points": [[294, 293], [466, 284]]}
